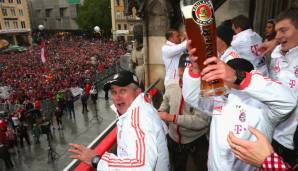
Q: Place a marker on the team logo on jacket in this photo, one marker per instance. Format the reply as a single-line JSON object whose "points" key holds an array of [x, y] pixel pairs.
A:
{"points": [[296, 72], [202, 12], [242, 116], [276, 67], [242, 113], [292, 83]]}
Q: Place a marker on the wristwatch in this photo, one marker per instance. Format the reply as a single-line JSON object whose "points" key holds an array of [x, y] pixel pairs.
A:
{"points": [[240, 76], [95, 160]]}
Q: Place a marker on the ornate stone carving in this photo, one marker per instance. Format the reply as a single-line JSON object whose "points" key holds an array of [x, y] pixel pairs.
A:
{"points": [[138, 4], [157, 14], [168, 8]]}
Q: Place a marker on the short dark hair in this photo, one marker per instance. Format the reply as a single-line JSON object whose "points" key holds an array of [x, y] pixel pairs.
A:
{"points": [[290, 13], [170, 33], [227, 23], [240, 64], [225, 33], [183, 61], [270, 21], [242, 21]]}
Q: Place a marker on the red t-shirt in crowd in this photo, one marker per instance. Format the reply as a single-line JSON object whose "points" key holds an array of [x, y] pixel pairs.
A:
{"points": [[37, 104], [88, 88]]}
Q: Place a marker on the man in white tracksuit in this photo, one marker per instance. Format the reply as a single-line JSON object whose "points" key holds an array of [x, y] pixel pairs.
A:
{"points": [[284, 68], [141, 140], [246, 42], [254, 103], [171, 53]]}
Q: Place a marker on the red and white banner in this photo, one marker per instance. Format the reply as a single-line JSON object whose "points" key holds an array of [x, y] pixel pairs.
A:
{"points": [[43, 56]]}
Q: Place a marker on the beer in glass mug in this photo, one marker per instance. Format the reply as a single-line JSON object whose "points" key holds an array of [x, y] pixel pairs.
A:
{"points": [[200, 26]]}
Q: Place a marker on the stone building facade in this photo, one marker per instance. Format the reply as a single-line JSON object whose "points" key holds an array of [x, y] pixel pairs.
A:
{"points": [[55, 14], [122, 25], [15, 22]]}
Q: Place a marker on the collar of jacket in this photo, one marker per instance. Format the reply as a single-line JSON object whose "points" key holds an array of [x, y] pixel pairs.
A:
{"points": [[169, 43], [278, 54]]}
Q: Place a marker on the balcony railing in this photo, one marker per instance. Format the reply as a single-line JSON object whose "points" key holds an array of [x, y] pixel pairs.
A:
{"points": [[102, 143]]}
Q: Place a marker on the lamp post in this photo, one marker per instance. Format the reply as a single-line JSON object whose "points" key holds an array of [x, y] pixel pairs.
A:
{"points": [[41, 32], [94, 61], [41, 42], [41, 27], [97, 29]]}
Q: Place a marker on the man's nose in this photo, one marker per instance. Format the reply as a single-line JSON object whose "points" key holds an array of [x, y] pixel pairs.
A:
{"points": [[117, 96], [278, 35]]}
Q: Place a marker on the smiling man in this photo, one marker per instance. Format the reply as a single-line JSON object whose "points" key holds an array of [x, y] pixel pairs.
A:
{"points": [[141, 140], [284, 68]]}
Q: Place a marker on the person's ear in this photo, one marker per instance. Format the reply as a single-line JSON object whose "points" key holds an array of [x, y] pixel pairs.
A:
{"points": [[139, 91]]}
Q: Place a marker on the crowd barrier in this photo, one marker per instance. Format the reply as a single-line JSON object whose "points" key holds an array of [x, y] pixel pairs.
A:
{"points": [[46, 106], [9, 108]]}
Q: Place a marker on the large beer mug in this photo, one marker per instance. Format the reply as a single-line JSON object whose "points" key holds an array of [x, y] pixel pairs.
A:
{"points": [[200, 26]]}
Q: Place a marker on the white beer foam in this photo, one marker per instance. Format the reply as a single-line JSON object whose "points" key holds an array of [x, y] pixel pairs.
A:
{"points": [[187, 11]]}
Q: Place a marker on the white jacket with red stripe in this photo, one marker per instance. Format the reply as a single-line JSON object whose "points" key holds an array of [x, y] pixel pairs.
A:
{"points": [[284, 68], [141, 141], [171, 53], [229, 54], [262, 103]]}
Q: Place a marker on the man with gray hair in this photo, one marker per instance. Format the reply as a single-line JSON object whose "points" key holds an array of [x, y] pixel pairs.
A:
{"points": [[141, 140]]}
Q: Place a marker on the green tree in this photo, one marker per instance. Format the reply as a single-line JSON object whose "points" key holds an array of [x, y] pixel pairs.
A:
{"points": [[95, 13]]}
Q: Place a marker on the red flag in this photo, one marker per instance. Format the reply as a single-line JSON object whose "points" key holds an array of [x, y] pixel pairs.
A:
{"points": [[43, 56]]}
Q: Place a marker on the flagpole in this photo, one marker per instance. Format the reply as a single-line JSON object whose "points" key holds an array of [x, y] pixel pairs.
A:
{"points": [[42, 44]]}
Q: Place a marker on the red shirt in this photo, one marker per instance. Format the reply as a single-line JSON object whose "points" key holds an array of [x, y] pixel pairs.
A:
{"points": [[88, 88], [37, 104]]}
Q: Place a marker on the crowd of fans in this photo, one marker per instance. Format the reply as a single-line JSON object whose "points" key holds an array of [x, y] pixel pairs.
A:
{"points": [[68, 64], [71, 61]]}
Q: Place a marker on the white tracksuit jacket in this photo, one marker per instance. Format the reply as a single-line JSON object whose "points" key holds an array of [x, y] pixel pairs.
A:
{"points": [[284, 68], [171, 53], [246, 43], [261, 104], [141, 141]]}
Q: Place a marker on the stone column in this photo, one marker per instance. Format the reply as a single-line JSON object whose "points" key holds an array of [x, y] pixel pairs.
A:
{"points": [[29, 38], [230, 9], [156, 23], [113, 20], [14, 40]]}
